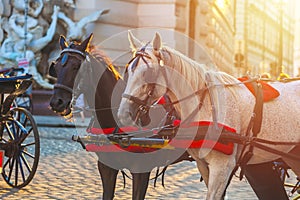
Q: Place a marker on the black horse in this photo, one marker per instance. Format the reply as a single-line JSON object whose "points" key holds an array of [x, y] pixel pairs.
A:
{"points": [[65, 69], [100, 89]]}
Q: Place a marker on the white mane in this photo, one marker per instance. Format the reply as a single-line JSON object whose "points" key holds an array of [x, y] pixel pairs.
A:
{"points": [[193, 70]]}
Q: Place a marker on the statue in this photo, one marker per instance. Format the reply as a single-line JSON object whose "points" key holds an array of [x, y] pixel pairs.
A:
{"points": [[32, 35], [30, 41], [1, 13], [76, 30], [34, 9]]}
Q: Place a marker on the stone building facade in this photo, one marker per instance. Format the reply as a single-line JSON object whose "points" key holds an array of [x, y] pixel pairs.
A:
{"points": [[207, 22], [297, 42], [230, 30], [265, 33]]}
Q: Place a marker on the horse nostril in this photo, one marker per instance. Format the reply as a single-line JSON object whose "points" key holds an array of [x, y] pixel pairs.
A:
{"points": [[60, 101], [56, 102]]}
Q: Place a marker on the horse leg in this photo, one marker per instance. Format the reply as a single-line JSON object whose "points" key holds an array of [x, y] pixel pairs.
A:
{"points": [[108, 178], [265, 181], [201, 164], [140, 185], [220, 168]]}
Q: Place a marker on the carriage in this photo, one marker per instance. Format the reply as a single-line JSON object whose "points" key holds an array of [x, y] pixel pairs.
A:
{"points": [[175, 135], [19, 137]]}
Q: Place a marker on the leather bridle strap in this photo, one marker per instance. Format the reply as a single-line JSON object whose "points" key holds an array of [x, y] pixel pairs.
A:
{"points": [[134, 99], [69, 50], [135, 60], [63, 87], [143, 104]]}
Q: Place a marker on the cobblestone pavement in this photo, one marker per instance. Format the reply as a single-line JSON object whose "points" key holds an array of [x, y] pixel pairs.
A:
{"points": [[66, 171]]}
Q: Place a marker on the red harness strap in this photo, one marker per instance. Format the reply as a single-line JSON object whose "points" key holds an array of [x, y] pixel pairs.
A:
{"points": [[176, 143], [211, 144]]}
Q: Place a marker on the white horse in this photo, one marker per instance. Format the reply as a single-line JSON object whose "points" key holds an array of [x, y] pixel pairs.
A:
{"points": [[227, 102]]}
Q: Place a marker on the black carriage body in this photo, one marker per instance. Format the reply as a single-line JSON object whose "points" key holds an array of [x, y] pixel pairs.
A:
{"points": [[19, 138]]}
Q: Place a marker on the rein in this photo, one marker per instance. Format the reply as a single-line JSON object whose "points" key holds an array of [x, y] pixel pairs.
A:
{"points": [[63, 87]]}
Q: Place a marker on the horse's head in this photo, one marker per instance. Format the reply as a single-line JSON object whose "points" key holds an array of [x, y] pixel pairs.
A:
{"points": [[65, 70], [146, 82]]}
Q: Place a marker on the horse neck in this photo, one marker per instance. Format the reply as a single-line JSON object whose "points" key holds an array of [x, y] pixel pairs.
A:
{"points": [[187, 78], [186, 68], [102, 99], [194, 75]]}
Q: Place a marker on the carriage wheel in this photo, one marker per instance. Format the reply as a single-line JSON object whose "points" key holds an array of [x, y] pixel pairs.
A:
{"points": [[22, 150], [24, 101], [297, 197], [296, 188]]}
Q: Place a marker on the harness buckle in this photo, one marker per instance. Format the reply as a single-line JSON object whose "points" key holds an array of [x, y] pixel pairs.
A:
{"points": [[144, 109]]}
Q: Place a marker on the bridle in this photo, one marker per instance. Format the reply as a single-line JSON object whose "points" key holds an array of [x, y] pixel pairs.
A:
{"points": [[64, 59], [143, 105]]}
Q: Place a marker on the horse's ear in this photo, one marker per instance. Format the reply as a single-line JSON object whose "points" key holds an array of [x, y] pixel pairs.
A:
{"points": [[62, 42], [52, 71], [156, 42], [133, 41], [85, 44]]}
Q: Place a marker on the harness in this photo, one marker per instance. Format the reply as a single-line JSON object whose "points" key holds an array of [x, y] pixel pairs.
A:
{"points": [[254, 126]]}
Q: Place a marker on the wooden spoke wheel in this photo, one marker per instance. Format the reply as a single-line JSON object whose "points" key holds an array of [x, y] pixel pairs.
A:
{"points": [[24, 101], [22, 147]]}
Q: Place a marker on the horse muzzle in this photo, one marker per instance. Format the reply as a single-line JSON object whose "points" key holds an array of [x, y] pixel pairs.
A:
{"points": [[60, 106]]}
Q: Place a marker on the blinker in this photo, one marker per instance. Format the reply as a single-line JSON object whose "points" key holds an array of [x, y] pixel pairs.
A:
{"points": [[64, 59]]}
